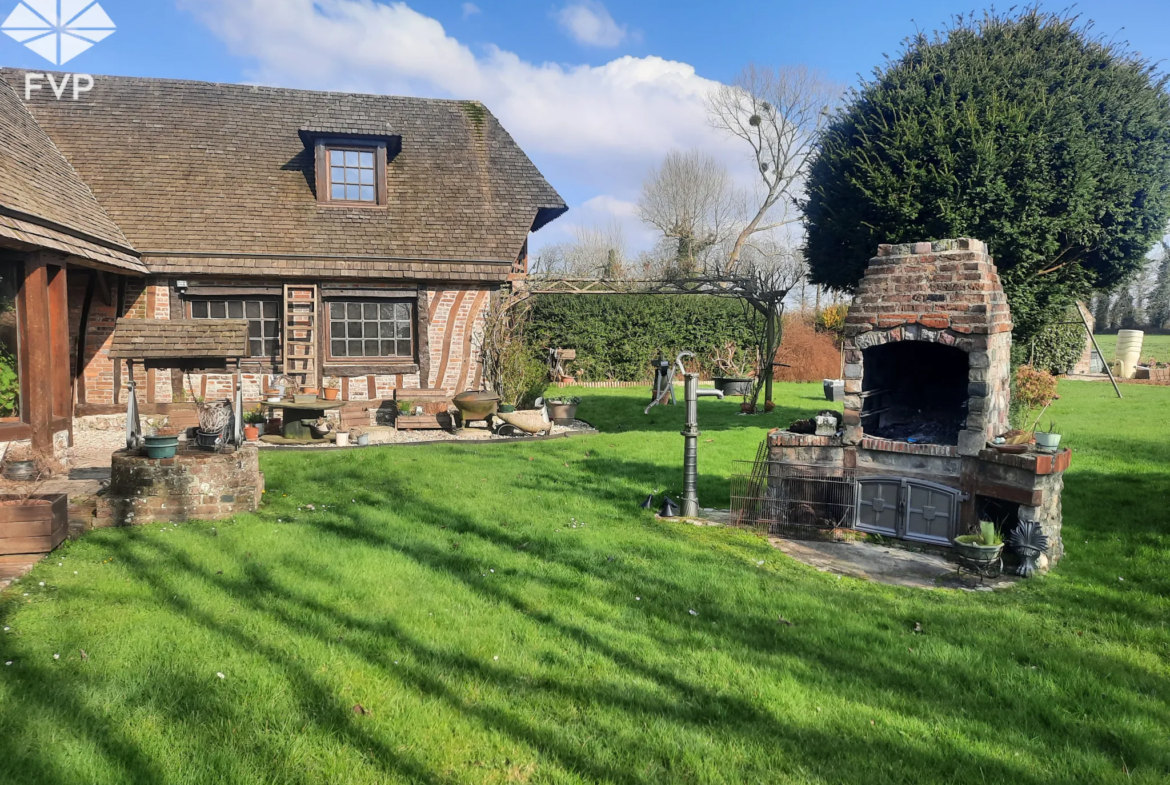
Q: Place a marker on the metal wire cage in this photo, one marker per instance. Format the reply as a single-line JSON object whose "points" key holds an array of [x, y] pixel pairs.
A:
{"points": [[800, 501]]}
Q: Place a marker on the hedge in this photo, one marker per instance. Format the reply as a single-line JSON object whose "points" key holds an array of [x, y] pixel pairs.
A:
{"points": [[616, 336]]}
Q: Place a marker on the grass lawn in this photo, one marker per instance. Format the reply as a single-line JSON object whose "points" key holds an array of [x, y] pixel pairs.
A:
{"points": [[505, 613], [1156, 346]]}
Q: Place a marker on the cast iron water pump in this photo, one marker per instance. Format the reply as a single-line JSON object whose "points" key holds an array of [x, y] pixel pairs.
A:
{"points": [[690, 432]]}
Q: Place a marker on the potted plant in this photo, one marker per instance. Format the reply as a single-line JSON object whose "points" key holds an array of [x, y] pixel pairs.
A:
{"points": [[332, 389], [162, 440], [1050, 439], [562, 409], [1034, 390], [984, 547], [734, 370], [30, 521], [252, 420]]}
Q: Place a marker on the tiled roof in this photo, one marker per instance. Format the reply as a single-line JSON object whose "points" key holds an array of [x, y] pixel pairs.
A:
{"points": [[195, 169], [36, 235], [179, 339], [41, 194]]}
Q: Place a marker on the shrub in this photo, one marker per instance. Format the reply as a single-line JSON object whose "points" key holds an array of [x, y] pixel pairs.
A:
{"points": [[812, 355], [1055, 349], [832, 320]]}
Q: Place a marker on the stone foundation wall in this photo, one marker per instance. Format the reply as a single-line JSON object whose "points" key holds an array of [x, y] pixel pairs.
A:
{"points": [[194, 485]]}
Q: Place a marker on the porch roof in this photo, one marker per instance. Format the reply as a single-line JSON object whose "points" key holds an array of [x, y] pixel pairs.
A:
{"points": [[179, 339]]}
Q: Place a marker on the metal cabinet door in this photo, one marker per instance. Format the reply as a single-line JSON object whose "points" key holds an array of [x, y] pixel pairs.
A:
{"points": [[877, 506], [930, 512]]}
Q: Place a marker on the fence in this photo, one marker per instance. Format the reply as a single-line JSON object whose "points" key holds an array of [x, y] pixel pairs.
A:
{"points": [[793, 500]]}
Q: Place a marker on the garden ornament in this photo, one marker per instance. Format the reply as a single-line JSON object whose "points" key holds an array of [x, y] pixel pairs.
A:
{"points": [[690, 432], [649, 503], [1029, 542], [669, 508]]}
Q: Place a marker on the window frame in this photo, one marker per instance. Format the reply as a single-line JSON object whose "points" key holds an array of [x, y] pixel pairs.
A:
{"points": [[266, 360], [330, 359], [322, 151]]}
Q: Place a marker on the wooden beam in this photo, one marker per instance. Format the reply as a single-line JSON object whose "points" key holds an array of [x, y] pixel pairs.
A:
{"points": [[82, 329], [104, 288], [39, 404]]}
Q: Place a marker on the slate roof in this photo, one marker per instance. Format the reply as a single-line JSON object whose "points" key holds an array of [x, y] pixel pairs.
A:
{"points": [[179, 339], [204, 177], [43, 201]]}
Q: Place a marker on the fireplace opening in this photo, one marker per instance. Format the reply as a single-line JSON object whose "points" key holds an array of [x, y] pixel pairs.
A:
{"points": [[914, 391]]}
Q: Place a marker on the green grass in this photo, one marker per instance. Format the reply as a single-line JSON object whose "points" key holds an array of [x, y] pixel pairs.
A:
{"points": [[1156, 346], [446, 590]]}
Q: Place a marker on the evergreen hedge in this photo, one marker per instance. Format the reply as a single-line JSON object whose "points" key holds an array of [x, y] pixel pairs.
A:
{"points": [[616, 336]]}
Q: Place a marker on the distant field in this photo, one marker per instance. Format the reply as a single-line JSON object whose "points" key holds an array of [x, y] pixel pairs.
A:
{"points": [[1156, 346]]}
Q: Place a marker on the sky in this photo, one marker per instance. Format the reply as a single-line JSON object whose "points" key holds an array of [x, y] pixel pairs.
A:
{"points": [[595, 92]]}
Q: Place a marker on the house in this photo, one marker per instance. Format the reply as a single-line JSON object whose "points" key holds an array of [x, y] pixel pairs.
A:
{"points": [[361, 237]]}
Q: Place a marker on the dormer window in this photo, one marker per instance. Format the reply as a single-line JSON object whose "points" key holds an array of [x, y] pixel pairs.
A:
{"points": [[351, 173]]}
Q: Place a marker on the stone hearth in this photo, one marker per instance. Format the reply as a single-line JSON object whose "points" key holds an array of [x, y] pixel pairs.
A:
{"points": [[927, 386]]}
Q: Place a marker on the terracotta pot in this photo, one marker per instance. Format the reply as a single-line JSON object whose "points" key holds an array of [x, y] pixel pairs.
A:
{"points": [[251, 433], [331, 393], [309, 391], [746, 408]]}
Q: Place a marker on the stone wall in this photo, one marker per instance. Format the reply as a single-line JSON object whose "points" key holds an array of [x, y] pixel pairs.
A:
{"points": [[194, 485]]}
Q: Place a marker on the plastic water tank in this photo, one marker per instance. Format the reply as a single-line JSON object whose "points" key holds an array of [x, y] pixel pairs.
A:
{"points": [[1129, 351]]}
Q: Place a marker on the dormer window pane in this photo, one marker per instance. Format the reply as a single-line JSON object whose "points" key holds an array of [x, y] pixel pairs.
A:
{"points": [[352, 176]]}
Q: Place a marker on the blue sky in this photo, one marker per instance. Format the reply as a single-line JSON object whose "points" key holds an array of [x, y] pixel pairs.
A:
{"points": [[596, 92]]}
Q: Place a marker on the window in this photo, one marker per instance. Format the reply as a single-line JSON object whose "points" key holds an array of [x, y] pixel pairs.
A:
{"points": [[263, 320], [371, 329], [352, 176]]}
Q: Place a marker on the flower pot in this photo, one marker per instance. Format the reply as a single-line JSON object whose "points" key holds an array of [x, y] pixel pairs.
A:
{"points": [[562, 413], [363, 440], [251, 433], [309, 391], [161, 446], [733, 385], [342, 439], [20, 470], [1049, 441], [332, 393], [966, 547]]}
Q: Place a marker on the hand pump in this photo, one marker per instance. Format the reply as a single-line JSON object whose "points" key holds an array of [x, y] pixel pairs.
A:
{"points": [[690, 433]]}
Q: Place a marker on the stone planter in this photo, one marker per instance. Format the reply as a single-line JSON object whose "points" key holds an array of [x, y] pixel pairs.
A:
{"points": [[36, 525], [161, 446], [733, 385]]}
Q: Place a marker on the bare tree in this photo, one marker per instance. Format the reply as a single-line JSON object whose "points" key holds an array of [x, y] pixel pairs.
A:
{"points": [[779, 113], [594, 252], [691, 199]]}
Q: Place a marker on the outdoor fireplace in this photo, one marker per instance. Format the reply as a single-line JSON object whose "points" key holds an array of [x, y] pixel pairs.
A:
{"points": [[927, 387]]}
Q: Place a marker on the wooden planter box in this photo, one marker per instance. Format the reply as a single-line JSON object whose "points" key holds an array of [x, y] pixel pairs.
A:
{"points": [[34, 528], [411, 422]]}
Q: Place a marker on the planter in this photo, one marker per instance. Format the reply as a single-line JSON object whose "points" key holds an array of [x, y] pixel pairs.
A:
{"points": [[966, 547], [476, 405], [733, 385], [427, 422], [342, 439], [1049, 441], [363, 440], [251, 432], [562, 413], [747, 408], [305, 399], [36, 525], [332, 393], [161, 446], [309, 391], [20, 470]]}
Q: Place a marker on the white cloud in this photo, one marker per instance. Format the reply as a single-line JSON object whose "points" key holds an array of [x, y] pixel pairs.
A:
{"points": [[470, 10], [589, 23], [591, 129]]}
